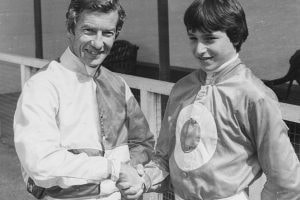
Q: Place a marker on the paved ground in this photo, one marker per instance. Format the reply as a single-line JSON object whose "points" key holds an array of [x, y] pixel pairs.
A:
{"points": [[12, 186]]}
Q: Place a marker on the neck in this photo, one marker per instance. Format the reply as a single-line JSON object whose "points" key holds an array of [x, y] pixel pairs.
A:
{"points": [[224, 65], [81, 66]]}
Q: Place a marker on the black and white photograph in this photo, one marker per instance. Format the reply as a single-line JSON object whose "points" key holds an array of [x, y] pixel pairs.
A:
{"points": [[150, 100]]}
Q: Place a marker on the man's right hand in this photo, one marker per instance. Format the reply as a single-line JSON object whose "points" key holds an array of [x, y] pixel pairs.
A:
{"points": [[131, 185]]}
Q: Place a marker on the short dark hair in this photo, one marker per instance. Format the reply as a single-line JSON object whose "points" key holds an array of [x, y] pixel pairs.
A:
{"points": [[218, 15], [76, 7]]}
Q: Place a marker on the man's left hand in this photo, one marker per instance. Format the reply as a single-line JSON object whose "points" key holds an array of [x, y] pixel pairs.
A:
{"points": [[131, 185]]}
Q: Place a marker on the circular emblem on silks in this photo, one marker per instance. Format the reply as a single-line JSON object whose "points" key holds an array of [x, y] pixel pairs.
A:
{"points": [[196, 137]]}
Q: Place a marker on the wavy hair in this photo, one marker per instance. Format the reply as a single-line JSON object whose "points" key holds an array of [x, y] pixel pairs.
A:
{"points": [[76, 7]]}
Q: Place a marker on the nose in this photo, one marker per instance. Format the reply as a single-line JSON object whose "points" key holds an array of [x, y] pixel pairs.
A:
{"points": [[200, 48], [97, 42]]}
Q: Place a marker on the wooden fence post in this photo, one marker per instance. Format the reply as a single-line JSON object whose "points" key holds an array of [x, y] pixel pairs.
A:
{"points": [[151, 107], [0, 129], [25, 74]]}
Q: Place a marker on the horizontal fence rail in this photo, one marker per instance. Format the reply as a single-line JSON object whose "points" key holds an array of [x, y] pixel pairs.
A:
{"points": [[150, 98], [145, 85]]}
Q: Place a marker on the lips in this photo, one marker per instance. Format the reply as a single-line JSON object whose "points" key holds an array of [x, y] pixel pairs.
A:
{"points": [[93, 51], [204, 58]]}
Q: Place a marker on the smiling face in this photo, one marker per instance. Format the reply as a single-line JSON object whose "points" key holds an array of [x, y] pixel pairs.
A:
{"points": [[211, 49], [93, 36]]}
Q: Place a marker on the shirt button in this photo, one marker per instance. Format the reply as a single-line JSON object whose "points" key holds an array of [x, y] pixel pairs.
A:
{"points": [[202, 92], [185, 174]]}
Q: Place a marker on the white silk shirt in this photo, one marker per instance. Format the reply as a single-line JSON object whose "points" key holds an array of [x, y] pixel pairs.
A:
{"points": [[220, 132], [58, 113]]}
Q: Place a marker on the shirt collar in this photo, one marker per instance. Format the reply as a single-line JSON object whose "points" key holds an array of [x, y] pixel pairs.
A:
{"points": [[216, 75], [73, 63], [224, 65]]}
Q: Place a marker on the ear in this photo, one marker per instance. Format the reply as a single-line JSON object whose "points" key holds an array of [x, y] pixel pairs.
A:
{"points": [[117, 34], [235, 45], [70, 38], [69, 34]]}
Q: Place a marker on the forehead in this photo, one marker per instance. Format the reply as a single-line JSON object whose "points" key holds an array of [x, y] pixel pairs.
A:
{"points": [[98, 19]]}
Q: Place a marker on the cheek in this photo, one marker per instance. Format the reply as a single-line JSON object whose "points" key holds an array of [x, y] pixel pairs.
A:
{"points": [[109, 42], [226, 49], [193, 45], [193, 48], [217, 51], [77, 42]]}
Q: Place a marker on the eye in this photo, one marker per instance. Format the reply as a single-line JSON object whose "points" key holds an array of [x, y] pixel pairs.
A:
{"points": [[89, 31], [108, 33], [209, 39], [192, 38]]}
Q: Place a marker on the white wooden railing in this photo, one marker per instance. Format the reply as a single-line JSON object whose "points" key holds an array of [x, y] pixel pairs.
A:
{"points": [[150, 94]]}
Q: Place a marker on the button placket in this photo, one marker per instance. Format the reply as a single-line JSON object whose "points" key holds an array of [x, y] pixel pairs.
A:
{"points": [[210, 79], [102, 124], [101, 115], [202, 92], [102, 130]]}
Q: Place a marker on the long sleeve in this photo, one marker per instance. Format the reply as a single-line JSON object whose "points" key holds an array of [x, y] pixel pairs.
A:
{"points": [[275, 152], [157, 170], [37, 142], [140, 139]]}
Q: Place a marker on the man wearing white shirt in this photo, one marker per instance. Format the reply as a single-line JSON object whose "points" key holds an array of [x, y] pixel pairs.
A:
{"points": [[78, 129]]}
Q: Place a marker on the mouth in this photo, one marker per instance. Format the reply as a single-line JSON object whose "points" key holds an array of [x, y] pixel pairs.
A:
{"points": [[94, 52], [204, 58]]}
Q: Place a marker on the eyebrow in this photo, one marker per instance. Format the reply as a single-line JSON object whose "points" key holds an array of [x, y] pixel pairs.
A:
{"points": [[87, 26], [96, 28]]}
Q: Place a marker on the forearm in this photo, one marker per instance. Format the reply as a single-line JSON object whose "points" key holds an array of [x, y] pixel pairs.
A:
{"points": [[48, 163], [156, 177], [140, 153], [58, 167], [271, 194], [140, 138]]}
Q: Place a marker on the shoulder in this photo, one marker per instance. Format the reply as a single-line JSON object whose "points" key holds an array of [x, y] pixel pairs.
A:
{"points": [[187, 83], [119, 83], [251, 93], [249, 97], [46, 78], [251, 86], [112, 81], [47, 72], [111, 76]]}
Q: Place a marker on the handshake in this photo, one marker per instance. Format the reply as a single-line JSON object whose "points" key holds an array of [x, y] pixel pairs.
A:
{"points": [[131, 182]]}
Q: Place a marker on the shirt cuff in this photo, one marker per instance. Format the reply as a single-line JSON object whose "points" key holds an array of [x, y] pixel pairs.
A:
{"points": [[114, 167], [147, 182]]}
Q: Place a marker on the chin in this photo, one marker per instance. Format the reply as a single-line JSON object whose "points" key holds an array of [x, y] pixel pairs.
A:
{"points": [[209, 67], [94, 64], [205, 68]]}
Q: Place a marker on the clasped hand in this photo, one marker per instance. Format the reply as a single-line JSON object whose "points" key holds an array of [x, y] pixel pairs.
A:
{"points": [[130, 183]]}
